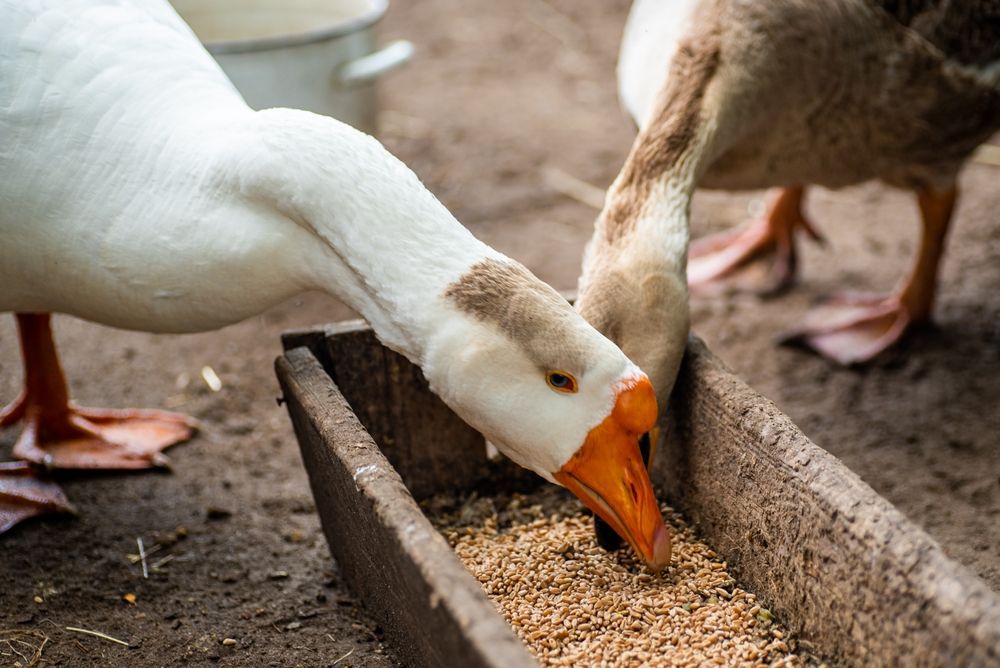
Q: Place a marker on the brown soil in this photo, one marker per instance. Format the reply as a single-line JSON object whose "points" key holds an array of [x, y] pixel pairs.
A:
{"points": [[497, 93]]}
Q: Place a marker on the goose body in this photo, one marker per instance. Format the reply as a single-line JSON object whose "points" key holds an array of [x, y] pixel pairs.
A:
{"points": [[830, 93], [738, 95], [139, 191], [157, 197]]}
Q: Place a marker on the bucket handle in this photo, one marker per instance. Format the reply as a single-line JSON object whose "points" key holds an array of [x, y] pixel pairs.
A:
{"points": [[367, 68]]}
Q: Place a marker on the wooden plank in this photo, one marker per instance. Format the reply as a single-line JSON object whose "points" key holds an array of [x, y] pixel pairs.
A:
{"points": [[431, 447], [433, 611], [311, 338], [416, 431], [830, 556]]}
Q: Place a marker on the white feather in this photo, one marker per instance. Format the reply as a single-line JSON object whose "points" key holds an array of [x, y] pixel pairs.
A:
{"points": [[652, 33], [140, 191]]}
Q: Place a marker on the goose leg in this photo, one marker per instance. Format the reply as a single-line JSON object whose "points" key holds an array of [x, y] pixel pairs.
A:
{"points": [[24, 495], [727, 260], [58, 434], [853, 328]]}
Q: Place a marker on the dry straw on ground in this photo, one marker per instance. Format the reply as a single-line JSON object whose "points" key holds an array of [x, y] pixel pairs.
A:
{"points": [[20, 647], [573, 604]]}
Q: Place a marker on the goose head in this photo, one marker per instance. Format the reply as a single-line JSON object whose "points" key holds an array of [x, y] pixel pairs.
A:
{"points": [[520, 365], [634, 291]]}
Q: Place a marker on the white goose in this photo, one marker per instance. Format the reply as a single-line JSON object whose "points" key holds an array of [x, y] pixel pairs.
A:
{"points": [[736, 94], [139, 191]]}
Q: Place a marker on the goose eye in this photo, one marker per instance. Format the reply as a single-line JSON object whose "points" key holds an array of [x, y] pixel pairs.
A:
{"points": [[560, 381]]}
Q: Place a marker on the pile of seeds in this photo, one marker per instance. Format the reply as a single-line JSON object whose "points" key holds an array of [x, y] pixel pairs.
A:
{"points": [[573, 604]]}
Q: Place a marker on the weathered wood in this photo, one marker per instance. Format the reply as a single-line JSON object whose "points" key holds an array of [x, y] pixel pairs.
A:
{"points": [[835, 560], [430, 446], [830, 556], [433, 611], [312, 338]]}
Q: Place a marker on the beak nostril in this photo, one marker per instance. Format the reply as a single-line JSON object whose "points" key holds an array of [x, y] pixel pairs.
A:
{"points": [[635, 407]]}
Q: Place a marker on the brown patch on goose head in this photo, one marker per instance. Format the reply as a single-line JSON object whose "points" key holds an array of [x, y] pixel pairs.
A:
{"points": [[671, 134], [509, 297]]}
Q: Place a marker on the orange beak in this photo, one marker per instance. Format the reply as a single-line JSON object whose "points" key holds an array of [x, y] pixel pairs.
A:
{"points": [[607, 473]]}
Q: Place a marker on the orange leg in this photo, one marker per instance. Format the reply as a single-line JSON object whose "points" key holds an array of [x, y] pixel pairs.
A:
{"points": [[24, 495], [728, 260], [58, 434], [854, 328]]}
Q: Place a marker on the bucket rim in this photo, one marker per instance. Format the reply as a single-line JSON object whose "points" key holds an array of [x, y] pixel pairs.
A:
{"points": [[339, 29]]}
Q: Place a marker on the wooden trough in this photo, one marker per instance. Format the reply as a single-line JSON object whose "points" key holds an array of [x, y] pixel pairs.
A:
{"points": [[837, 563]]}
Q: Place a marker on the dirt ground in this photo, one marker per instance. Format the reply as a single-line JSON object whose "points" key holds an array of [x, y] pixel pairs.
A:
{"points": [[497, 95]]}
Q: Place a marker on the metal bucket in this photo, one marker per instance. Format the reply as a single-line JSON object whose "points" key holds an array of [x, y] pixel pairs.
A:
{"points": [[318, 55]]}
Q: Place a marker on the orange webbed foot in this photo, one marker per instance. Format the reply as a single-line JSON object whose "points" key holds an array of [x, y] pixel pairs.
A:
{"points": [[88, 438], [853, 328], [759, 257], [58, 434], [23, 495]]}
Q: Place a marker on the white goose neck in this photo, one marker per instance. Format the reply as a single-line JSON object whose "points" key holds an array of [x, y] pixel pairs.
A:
{"points": [[384, 244]]}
